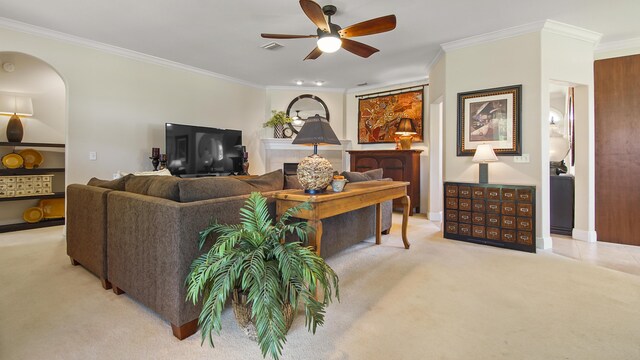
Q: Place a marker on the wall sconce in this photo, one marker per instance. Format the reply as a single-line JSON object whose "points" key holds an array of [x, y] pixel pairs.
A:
{"points": [[15, 106], [406, 130], [484, 155]]}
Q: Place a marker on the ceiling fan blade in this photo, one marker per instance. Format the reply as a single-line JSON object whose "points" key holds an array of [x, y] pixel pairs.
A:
{"points": [[285, 36], [315, 14], [369, 27], [314, 54], [358, 48]]}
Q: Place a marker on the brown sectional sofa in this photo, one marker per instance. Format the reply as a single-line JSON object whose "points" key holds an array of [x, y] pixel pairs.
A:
{"points": [[141, 234]]}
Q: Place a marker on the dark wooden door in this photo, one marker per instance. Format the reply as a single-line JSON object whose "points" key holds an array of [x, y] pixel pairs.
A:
{"points": [[617, 137]]}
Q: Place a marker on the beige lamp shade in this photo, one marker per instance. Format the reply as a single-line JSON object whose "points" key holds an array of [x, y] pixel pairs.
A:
{"points": [[14, 104], [484, 154]]}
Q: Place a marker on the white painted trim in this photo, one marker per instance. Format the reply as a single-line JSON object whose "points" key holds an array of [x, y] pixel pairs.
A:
{"points": [[573, 32], [395, 83], [544, 242], [435, 60], [305, 88], [584, 235], [435, 216], [286, 144], [618, 45], [547, 25], [130, 54], [493, 36]]}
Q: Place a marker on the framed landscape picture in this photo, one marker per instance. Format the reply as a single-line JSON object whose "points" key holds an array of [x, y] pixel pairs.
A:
{"points": [[378, 117], [490, 116]]}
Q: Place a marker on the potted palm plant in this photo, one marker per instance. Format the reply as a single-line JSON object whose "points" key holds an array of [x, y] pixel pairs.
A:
{"points": [[249, 261], [278, 120]]}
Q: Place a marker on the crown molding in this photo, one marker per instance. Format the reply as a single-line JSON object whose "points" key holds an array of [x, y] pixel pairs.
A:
{"points": [[493, 36], [421, 79], [306, 88], [433, 62], [115, 50], [618, 45], [571, 31], [552, 26]]}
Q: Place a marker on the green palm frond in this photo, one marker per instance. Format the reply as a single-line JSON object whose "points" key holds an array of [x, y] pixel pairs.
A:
{"points": [[250, 256]]}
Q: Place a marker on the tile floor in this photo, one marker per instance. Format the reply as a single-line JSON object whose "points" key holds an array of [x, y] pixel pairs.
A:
{"points": [[625, 258]]}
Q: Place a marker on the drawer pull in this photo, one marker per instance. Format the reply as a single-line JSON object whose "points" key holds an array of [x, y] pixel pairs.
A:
{"points": [[508, 236], [478, 218], [478, 231], [508, 222], [493, 220], [508, 208], [493, 207], [493, 193], [524, 210]]}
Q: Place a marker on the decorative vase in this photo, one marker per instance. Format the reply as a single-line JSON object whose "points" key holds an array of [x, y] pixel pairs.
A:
{"points": [[14, 129], [242, 312], [278, 131], [315, 173]]}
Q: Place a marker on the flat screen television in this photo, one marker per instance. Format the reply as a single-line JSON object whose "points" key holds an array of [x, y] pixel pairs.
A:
{"points": [[203, 151]]}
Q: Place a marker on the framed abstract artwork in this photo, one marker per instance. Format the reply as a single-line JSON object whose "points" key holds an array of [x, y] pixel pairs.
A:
{"points": [[490, 116], [379, 116]]}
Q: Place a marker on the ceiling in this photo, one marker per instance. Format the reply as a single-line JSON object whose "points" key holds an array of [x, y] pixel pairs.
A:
{"points": [[224, 36]]}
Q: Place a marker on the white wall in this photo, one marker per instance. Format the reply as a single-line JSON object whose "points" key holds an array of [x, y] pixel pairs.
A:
{"points": [[511, 61], [504, 62], [117, 106], [567, 59], [351, 131]]}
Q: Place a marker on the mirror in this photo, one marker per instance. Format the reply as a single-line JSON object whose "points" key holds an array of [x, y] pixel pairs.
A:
{"points": [[303, 107]]}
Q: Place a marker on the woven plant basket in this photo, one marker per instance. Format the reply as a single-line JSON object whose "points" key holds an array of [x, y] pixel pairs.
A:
{"points": [[242, 311]]}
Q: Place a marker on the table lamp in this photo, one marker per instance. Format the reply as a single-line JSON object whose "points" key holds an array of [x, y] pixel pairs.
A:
{"points": [[484, 154], [315, 172], [406, 130], [15, 106]]}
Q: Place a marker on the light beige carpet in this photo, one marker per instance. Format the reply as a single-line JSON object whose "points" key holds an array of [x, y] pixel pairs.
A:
{"points": [[442, 299]]}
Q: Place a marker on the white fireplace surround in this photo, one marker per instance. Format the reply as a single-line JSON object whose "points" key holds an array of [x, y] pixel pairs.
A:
{"points": [[280, 151]]}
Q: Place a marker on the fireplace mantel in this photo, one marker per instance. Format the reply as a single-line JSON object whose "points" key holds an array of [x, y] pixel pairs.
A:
{"points": [[280, 151]]}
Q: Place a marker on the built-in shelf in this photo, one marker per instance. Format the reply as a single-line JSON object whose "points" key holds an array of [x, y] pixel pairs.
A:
{"points": [[23, 144], [49, 147], [26, 226], [57, 195], [37, 171]]}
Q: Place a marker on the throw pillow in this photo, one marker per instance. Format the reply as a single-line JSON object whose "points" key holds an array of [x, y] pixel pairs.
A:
{"points": [[268, 182], [116, 184], [165, 187], [212, 188], [352, 176], [292, 182]]}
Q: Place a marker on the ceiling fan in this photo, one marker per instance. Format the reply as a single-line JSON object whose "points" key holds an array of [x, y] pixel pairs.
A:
{"points": [[331, 37]]}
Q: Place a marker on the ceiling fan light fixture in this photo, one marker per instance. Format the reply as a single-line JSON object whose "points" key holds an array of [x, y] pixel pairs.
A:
{"points": [[329, 43]]}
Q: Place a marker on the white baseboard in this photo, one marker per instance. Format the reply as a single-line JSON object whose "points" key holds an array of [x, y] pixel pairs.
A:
{"points": [[584, 235], [435, 216], [544, 242]]}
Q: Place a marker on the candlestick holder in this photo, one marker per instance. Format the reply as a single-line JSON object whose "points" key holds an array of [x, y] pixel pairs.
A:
{"points": [[155, 161]]}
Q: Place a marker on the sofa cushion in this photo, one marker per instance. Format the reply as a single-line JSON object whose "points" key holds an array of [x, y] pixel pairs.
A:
{"points": [[292, 182], [268, 182], [375, 174], [117, 184], [165, 187], [212, 188]]}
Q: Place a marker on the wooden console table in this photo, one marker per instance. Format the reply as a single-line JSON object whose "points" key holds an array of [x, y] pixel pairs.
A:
{"points": [[355, 196]]}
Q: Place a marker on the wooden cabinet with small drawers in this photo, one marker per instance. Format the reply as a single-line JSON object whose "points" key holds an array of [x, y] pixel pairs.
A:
{"points": [[498, 215]]}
